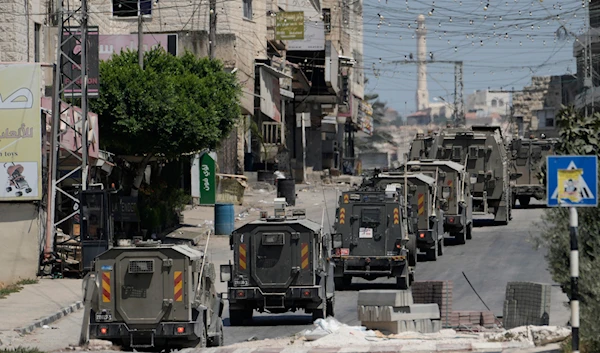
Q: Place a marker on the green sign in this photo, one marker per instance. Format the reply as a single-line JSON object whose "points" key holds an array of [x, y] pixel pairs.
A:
{"points": [[289, 26], [207, 180]]}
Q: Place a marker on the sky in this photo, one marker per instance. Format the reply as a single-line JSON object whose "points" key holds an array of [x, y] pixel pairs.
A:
{"points": [[502, 44]]}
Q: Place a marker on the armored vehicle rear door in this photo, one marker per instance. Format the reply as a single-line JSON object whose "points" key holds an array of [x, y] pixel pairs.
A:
{"points": [[140, 285], [374, 229], [281, 256]]}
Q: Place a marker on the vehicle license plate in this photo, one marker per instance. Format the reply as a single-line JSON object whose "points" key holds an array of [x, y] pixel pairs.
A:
{"points": [[105, 317]]}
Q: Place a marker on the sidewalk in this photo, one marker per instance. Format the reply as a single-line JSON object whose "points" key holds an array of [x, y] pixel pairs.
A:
{"points": [[40, 304]]}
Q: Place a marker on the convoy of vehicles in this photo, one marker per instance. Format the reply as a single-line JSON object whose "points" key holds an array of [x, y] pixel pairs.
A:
{"points": [[149, 294]]}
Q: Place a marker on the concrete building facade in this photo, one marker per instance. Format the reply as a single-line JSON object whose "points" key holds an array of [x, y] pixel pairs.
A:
{"points": [[536, 106], [486, 102]]}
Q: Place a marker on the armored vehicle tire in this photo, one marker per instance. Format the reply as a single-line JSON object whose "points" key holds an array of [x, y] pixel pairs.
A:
{"points": [[432, 254], [237, 317], [412, 250], [524, 201], [441, 246], [320, 313], [198, 343], [403, 282], [330, 307], [470, 231], [460, 237], [342, 283], [219, 338]]}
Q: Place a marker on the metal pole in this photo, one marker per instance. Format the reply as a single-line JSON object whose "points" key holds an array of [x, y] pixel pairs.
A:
{"points": [[140, 36], [212, 29], [84, 95], [303, 147], [573, 224]]}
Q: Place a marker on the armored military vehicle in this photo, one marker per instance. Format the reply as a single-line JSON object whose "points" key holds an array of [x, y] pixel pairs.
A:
{"points": [[149, 295], [420, 147], [281, 263], [454, 195], [427, 217], [528, 160], [372, 238], [482, 151]]}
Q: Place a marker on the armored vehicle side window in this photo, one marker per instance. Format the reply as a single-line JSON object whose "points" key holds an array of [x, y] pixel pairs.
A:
{"points": [[456, 152], [370, 216], [272, 239]]}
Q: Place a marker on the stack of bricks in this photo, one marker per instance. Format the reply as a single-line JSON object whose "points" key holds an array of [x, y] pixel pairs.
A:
{"points": [[393, 311], [472, 318], [435, 292], [526, 303]]}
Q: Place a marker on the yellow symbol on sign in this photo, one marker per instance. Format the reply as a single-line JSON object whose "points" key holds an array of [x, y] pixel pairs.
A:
{"points": [[342, 215], [568, 182]]}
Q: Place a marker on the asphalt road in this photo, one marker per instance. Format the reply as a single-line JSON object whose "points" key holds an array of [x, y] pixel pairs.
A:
{"points": [[495, 256]]}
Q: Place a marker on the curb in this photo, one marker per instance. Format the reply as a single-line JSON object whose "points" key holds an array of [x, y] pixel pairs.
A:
{"points": [[50, 319], [482, 347]]}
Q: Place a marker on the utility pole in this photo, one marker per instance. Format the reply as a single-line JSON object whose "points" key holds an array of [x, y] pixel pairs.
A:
{"points": [[140, 36], [84, 94], [212, 28]]}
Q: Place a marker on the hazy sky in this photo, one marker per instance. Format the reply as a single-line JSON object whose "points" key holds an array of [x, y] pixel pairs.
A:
{"points": [[501, 43]]}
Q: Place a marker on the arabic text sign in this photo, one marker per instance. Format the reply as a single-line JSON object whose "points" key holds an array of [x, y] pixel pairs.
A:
{"points": [[572, 181], [290, 26], [20, 132], [207, 180], [110, 44]]}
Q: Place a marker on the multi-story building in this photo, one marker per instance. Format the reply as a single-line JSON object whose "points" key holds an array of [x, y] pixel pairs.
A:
{"points": [[535, 107], [486, 103], [585, 49]]}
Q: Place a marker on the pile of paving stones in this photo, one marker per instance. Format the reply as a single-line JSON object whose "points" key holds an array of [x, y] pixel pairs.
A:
{"points": [[526, 303], [394, 311]]}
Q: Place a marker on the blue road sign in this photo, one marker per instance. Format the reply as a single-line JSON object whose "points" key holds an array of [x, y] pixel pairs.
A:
{"points": [[572, 181]]}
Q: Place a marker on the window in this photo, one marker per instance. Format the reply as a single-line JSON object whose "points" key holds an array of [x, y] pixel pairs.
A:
{"points": [[500, 103], [271, 132], [129, 8], [545, 118], [247, 9], [37, 28], [327, 20], [494, 103]]}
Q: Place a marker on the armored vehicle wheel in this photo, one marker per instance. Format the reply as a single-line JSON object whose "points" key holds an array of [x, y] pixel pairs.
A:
{"points": [[432, 254], [524, 201], [402, 282], [237, 317], [320, 313], [219, 338], [412, 250], [441, 247], [460, 237], [342, 283], [330, 307], [470, 231], [199, 343]]}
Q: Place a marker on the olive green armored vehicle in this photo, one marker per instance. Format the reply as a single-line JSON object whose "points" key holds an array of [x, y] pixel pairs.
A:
{"points": [[528, 160], [280, 264], [481, 150], [150, 295]]}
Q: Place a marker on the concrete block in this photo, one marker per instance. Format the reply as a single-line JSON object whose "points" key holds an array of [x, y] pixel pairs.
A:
{"points": [[395, 298]]}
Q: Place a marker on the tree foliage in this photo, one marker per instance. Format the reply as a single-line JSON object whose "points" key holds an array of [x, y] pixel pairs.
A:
{"points": [[579, 136], [174, 105]]}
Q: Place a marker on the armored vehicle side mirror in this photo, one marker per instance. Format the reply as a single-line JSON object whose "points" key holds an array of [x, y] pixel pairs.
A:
{"points": [[225, 273]]}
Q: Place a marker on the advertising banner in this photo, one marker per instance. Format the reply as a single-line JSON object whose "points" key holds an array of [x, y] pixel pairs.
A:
{"points": [[20, 132], [71, 44]]}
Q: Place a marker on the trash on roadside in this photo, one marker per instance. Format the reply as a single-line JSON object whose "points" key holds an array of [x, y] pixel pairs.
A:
{"points": [[325, 327]]}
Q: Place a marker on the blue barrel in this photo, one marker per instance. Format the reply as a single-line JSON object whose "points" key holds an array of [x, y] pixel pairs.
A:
{"points": [[224, 218]]}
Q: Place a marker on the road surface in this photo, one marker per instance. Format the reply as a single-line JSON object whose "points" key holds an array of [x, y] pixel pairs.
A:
{"points": [[495, 256]]}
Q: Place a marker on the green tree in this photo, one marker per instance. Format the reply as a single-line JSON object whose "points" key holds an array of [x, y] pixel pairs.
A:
{"points": [[175, 105], [579, 135]]}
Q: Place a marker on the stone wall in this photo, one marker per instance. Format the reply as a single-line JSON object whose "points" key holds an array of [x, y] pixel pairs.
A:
{"points": [[532, 98], [20, 239]]}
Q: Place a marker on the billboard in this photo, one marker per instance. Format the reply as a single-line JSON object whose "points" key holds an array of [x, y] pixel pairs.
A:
{"points": [[20, 132], [289, 26], [110, 44], [71, 44]]}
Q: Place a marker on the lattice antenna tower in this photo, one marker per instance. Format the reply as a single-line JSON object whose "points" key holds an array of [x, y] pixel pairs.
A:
{"points": [[68, 163]]}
